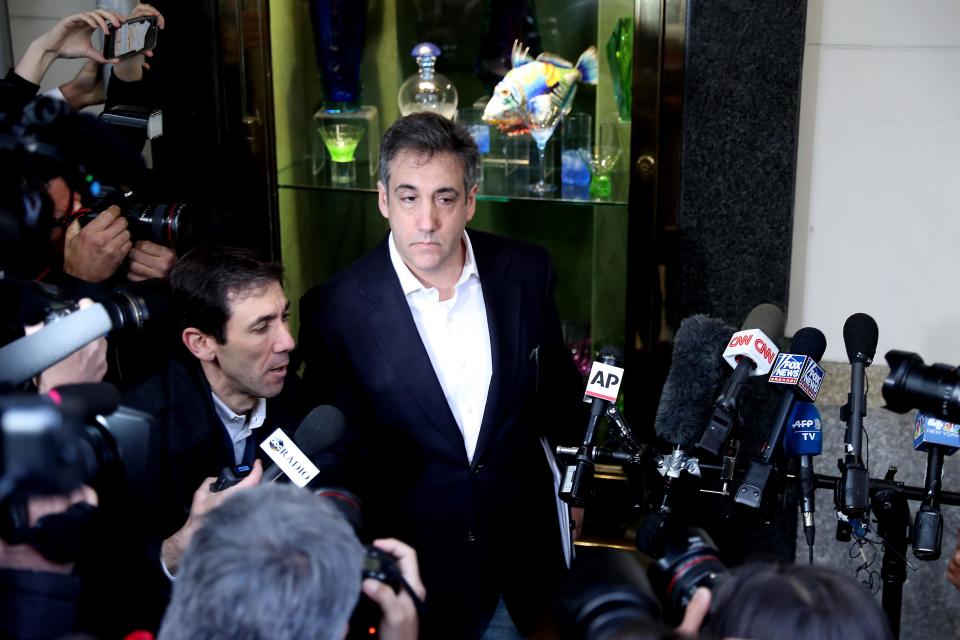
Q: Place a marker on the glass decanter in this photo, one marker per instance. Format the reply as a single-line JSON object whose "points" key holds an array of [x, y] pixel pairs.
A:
{"points": [[427, 90]]}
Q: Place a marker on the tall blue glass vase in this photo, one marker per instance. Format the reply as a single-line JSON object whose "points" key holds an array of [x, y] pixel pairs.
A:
{"points": [[338, 29]]}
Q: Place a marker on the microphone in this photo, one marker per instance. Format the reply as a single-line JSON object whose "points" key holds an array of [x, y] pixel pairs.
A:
{"points": [[696, 372], [603, 386], [860, 335], [804, 438], [938, 438], [800, 374], [751, 352], [86, 399], [318, 431]]}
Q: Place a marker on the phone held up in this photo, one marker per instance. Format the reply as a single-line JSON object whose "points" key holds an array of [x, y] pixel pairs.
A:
{"points": [[130, 38]]}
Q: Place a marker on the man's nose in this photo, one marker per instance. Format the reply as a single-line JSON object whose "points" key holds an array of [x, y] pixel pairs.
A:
{"points": [[427, 218], [285, 341]]}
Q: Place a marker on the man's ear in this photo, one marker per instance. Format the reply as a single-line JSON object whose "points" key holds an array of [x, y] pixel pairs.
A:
{"points": [[200, 344], [382, 196]]}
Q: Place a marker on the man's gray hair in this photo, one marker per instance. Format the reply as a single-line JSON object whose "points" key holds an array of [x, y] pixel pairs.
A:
{"points": [[273, 562]]}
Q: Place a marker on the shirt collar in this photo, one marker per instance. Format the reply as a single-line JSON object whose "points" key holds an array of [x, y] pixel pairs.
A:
{"points": [[256, 418], [409, 282]]}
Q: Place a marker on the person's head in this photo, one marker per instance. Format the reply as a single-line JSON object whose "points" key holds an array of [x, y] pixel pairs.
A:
{"points": [[232, 315], [794, 602], [428, 190], [273, 562]]}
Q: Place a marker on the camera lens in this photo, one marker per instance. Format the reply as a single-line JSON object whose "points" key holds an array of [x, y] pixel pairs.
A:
{"points": [[132, 308], [933, 389], [168, 224], [689, 561]]}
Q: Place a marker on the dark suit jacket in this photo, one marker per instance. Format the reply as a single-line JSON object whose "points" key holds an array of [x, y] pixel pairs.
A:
{"points": [[192, 440], [480, 529]]}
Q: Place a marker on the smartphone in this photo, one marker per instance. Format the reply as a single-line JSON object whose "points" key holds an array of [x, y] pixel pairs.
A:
{"points": [[130, 38]]}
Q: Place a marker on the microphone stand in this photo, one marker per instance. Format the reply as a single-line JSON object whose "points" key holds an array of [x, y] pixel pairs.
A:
{"points": [[888, 502]]}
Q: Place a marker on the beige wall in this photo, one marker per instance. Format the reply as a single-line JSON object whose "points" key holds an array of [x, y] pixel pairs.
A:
{"points": [[877, 217]]}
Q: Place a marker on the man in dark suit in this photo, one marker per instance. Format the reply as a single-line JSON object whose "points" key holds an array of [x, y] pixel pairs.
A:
{"points": [[444, 350], [224, 389]]}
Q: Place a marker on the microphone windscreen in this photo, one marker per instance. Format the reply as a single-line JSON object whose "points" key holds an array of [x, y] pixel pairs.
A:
{"points": [[694, 379], [611, 355], [860, 336], [320, 429], [809, 341], [768, 318], [86, 399]]}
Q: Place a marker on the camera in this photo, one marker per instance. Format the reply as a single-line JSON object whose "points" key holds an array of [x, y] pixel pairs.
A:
{"points": [[608, 590], [169, 224], [127, 310], [933, 389], [53, 444], [689, 561]]}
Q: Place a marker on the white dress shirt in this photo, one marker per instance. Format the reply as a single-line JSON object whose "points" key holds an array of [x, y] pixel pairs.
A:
{"points": [[457, 339]]}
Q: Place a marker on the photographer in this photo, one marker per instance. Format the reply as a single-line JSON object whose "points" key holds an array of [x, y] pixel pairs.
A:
{"points": [[245, 576], [38, 595], [953, 569], [94, 253]]}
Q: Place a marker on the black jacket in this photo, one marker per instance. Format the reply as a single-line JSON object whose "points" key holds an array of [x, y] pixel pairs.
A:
{"points": [[481, 529]]}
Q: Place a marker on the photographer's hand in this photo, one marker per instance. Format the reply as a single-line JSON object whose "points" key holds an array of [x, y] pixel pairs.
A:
{"points": [[89, 364], [93, 253], [400, 621], [204, 501], [69, 38], [131, 69], [696, 612], [150, 260]]}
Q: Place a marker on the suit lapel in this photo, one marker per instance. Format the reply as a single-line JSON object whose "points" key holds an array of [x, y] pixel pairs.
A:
{"points": [[392, 326], [502, 298]]}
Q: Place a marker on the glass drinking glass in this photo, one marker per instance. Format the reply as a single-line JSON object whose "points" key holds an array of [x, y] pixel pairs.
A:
{"points": [[341, 140], [541, 127]]}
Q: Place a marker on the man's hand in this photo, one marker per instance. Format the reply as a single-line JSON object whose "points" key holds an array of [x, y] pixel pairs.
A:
{"points": [[24, 557], [89, 364], [150, 260], [204, 501], [86, 88], [400, 621], [94, 253], [576, 522], [953, 568], [69, 38], [131, 69]]}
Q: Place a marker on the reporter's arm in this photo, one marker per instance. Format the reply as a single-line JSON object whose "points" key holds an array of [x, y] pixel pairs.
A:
{"points": [[204, 501]]}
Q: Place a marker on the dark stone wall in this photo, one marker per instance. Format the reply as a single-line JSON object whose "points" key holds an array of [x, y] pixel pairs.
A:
{"points": [[741, 106]]}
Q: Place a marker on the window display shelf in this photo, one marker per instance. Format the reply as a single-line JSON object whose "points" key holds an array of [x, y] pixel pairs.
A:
{"points": [[498, 184]]}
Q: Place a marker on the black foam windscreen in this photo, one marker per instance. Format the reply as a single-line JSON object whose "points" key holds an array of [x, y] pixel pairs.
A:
{"points": [[320, 429], [809, 341], [860, 336], [768, 318], [693, 382], [86, 400]]}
